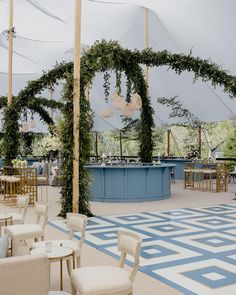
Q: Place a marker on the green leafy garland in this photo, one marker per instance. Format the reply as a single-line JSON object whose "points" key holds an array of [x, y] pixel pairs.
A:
{"points": [[67, 140], [104, 57], [11, 115]]}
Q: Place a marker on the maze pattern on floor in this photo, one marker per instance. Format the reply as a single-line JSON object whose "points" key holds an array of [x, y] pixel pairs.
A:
{"points": [[192, 250]]}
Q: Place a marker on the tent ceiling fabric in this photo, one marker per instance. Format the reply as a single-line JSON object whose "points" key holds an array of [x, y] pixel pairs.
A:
{"points": [[44, 36]]}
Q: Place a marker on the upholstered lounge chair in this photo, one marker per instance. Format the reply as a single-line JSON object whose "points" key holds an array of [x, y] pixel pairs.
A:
{"points": [[42, 178], [25, 275]]}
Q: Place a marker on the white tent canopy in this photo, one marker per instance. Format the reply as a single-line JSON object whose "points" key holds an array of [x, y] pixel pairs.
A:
{"points": [[45, 32]]}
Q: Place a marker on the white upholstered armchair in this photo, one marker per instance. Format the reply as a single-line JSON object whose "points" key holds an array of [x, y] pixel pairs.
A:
{"points": [[26, 275], [110, 280], [21, 232], [75, 223]]}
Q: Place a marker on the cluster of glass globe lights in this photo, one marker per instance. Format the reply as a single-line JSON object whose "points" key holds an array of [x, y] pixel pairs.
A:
{"points": [[119, 103], [25, 126]]}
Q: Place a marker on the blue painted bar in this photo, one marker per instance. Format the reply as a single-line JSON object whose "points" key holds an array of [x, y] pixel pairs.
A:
{"points": [[130, 183], [179, 169]]}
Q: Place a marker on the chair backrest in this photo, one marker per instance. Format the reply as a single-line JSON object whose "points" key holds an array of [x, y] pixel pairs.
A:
{"points": [[129, 243], [41, 211], [24, 275], [22, 204], [77, 223]]}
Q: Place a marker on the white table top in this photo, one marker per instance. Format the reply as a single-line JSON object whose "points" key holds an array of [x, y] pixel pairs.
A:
{"points": [[56, 253], [58, 293], [10, 178], [200, 170], [4, 216]]}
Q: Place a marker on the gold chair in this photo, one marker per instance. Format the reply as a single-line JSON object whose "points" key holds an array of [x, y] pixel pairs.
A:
{"points": [[221, 178], [110, 280], [189, 175]]}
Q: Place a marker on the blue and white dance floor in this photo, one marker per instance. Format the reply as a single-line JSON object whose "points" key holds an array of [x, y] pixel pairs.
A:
{"points": [[192, 250]]}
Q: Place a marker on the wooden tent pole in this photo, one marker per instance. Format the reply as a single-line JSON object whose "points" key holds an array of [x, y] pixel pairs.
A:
{"points": [[96, 146], [200, 141], [168, 143], [76, 106], [10, 52], [121, 149]]}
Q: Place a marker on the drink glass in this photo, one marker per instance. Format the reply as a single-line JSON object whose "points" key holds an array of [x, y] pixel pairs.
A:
{"points": [[48, 246]]}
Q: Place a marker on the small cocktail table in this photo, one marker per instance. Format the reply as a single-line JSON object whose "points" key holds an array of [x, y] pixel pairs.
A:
{"points": [[56, 254]]}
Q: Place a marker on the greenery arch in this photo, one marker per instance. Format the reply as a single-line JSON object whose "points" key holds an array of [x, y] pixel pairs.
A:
{"points": [[102, 57], [11, 115]]}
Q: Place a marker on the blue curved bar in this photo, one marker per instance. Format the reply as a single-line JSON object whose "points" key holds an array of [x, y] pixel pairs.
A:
{"points": [[179, 170], [130, 183]]}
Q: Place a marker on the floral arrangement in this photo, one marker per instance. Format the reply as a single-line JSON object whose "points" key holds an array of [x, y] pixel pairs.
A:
{"points": [[19, 163], [46, 144]]}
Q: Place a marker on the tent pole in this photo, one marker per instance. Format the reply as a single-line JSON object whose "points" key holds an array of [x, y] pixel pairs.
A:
{"points": [[168, 142], [76, 106], [146, 39], [96, 145], [10, 52], [200, 141], [121, 150]]}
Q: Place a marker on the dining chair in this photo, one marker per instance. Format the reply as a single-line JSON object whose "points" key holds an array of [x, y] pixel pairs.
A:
{"points": [[22, 204], [22, 232], [100, 280], [74, 223]]}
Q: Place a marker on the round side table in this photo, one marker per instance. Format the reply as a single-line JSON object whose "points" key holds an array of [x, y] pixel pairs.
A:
{"points": [[56, 254], [58, 293]]}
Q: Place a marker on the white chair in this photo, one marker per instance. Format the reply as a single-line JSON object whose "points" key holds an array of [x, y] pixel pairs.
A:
{"points": [[75, 223], [22, 204], [26, 275], [22, 232], [110, 280]]}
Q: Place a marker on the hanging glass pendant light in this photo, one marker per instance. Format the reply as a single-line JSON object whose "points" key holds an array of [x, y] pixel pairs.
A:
{"points": [[127, 110], [118, 101], [107, 113], [25, 127], [137, 101], [32, 123]]}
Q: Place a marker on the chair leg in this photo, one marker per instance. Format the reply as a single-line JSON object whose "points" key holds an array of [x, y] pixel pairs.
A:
{"points": [[78, 262], [73, 290], [42, 238], [13, 247], [68, 263]]}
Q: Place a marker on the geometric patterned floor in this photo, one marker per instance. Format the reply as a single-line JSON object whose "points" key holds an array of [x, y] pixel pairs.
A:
{"points": [[192, 250]]}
